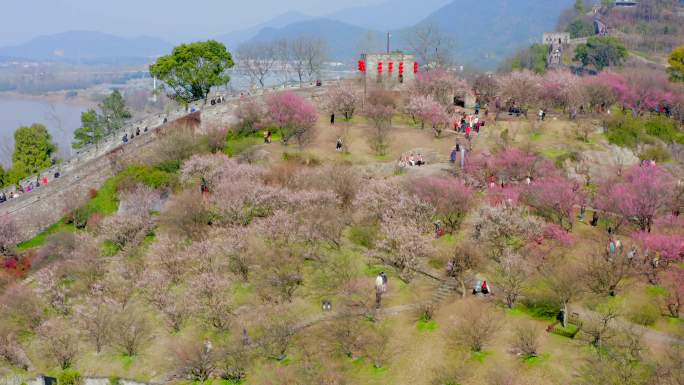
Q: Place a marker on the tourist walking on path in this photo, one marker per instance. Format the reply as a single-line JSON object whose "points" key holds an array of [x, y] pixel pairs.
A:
{"points": [[380, 288]]}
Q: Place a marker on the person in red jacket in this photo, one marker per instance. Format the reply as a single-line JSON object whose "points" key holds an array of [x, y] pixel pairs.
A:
{"points": [[485, 288]]}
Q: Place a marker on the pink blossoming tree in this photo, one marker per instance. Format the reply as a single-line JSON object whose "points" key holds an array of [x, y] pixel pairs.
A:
{"points": [[520, 89], [639, 91], [658, 252], [674, 283], [643, 195], [293, 115], [554, 198], [450, 197], [427, 110], [250, 114], [343, 100], [440, 85]]}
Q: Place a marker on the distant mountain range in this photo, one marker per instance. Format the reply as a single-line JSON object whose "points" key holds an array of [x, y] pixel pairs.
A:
{"points": [[233, 39], [390, 15], [345, 41], [485, 31], [488, 31], [88, 47]]}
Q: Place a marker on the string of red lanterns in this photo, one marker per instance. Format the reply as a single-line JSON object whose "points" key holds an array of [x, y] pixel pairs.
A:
{"points": [[361, 65]]}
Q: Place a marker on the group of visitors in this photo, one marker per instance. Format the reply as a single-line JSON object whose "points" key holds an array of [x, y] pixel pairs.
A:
{"points": [[614, 246], [648, 163], [469, 123], [27, 187], [217, 100], [268, 136], [412, 160], [134, 133]]}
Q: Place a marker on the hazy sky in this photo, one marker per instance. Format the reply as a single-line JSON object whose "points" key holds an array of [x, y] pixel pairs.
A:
{"points": [[21, 20]]}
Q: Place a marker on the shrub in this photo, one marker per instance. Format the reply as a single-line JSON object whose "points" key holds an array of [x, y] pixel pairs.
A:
{"points": [[477, 326], [237, 145], [78, 217], [301, 158], [664, 129], [9, 235], [171, 166], [149, 176], [174, 145], [69, 377], [626, 130], [216, 139], [364, 235], [543, 308], [187, 215], [526, 339], [658, 153], [645, 314], [94, 221], [426, 312], [569, 331], [124, 229]]}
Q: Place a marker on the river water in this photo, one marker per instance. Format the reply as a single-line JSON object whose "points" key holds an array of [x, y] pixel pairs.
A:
{"points": [[60, 119]]}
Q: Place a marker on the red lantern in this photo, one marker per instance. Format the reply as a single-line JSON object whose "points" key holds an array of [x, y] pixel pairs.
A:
{"points": [[415, 67], [401, 68], [362, 66], [379, 67], [390, 67]]}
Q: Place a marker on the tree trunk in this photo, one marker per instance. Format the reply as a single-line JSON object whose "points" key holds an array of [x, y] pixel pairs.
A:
{"points": [[565, 314]]}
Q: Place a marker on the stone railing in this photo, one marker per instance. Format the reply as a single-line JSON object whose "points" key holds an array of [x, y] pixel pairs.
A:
{"points": [[579, 40]]}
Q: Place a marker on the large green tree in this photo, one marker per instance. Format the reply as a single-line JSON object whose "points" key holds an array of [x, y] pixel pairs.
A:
{"points": [[114, 112], [532, 58], [676, 61], [92, 130], [33, 151], [580, 27], [192, 69], [95, 126], [601, 52]]}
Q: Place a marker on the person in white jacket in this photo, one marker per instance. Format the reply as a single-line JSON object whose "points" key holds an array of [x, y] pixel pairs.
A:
{"points": [[380, 288]]}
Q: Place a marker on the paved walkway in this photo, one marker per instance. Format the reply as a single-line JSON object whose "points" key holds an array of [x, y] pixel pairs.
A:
{"points": [[647, 333]]}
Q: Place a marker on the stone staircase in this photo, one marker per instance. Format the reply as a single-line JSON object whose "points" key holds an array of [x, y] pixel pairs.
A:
{"points": [[447, 288]]}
